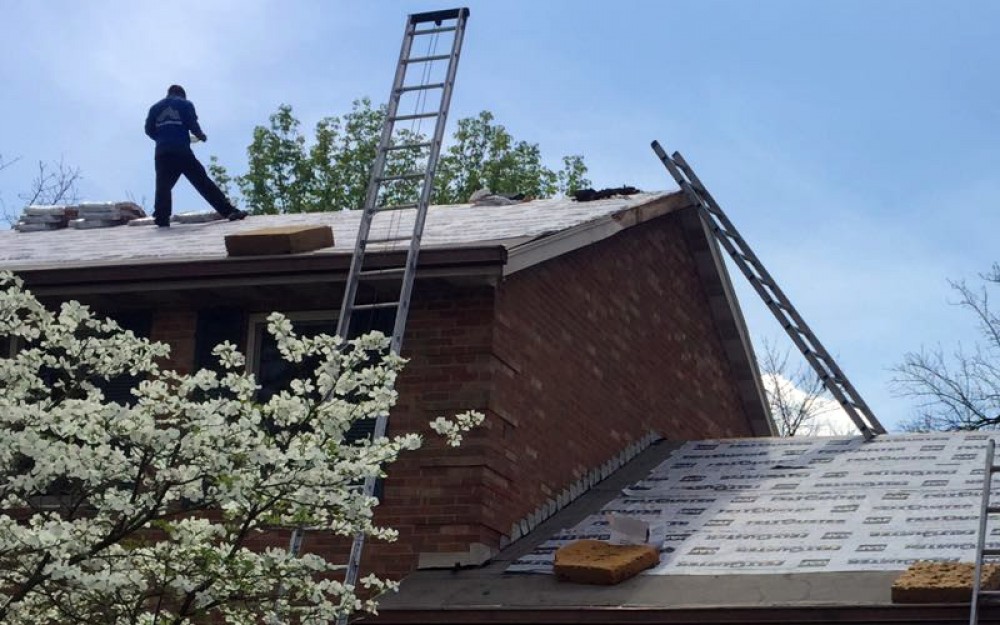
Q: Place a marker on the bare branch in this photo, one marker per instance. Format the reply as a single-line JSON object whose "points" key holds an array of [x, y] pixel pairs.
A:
{"points": [[960, 391], [54, 183], [797, 396]]}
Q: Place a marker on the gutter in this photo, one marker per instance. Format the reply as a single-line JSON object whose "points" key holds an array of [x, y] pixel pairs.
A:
{"points": [[484, 260], [895, 614]]}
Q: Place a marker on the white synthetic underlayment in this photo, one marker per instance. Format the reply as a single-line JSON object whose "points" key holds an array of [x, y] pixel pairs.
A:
{"points": [[804, 505]]}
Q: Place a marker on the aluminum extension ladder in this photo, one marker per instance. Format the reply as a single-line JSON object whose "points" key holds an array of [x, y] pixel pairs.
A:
{"points": [[981, 551], [422, 27], [779, 305]]}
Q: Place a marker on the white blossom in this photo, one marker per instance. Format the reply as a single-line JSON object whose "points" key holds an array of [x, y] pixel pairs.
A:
{"points": [[141, 513]]}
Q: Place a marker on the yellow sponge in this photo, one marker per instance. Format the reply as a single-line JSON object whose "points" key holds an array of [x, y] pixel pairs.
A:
{"points": [[942, 582], [598, 562]]}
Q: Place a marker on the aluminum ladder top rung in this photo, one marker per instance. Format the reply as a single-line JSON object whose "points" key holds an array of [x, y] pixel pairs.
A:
{"points": [[433, 85], [427, 59], [394, 207], [392, 239], [439, 16], [405, 118], [413, 175], [376, 306], [382, 273], [409, 146], [432, 31]]}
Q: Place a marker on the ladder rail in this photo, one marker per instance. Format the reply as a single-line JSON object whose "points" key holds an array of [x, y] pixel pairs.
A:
{"points": [[984, 511], [409, 269], [830, 374], [371, 193], [371, 207], [425, 193]]}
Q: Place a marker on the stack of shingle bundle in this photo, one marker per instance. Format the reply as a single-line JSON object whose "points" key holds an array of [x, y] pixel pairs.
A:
{"points": [[36, 218], [106, 214]]}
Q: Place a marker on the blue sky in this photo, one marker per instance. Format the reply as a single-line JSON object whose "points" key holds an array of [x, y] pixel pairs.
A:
{"points": [[855, 144]]}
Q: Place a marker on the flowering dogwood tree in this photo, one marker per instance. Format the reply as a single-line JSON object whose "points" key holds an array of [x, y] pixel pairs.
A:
{"points": [[147, 513]]}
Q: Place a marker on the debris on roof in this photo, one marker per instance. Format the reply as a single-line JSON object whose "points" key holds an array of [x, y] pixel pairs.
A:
{"points": [[589, 195], [942, 582], [484, 197]]}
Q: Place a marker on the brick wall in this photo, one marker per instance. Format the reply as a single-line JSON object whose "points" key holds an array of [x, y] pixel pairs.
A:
{"points": [[177, 328], [572, 360], [594, 349], [436, 497]]}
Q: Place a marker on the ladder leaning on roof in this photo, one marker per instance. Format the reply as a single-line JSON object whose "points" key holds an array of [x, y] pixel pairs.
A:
{"points": [[779, 305], [978, 594], [389, 287]]}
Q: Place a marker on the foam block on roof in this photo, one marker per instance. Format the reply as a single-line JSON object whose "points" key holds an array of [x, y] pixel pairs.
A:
{"points": [[598, 562], [942, 582], [284, 240]]}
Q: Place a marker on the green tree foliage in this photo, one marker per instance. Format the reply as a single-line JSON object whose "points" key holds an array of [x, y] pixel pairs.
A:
{"points": [[288, 172]]}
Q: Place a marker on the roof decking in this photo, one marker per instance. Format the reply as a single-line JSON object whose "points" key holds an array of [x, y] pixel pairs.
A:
{"points": [[781, 530]]}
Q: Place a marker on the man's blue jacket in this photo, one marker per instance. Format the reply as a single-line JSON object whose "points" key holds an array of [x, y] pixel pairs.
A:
{"points": [[170, 123]]}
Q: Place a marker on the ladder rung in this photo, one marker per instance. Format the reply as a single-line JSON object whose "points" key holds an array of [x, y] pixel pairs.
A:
{"points": [[390, 239], [427, 59], [989, 593], [395, 207], [408, 146], [374, 273], [404, 118], [431, 31], [376, 306], [995, 469], [413, 175], [991, 552], [992, 509], [435, 85], [439, 16]]}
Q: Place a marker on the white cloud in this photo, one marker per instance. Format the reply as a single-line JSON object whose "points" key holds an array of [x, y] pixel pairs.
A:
{"points": [[830, 418]]}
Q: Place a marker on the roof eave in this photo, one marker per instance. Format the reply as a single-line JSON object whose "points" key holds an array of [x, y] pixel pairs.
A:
{"points": [[546, 247], [254, 270]]}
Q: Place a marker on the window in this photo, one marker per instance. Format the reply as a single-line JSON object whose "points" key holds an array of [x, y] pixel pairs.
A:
{"points": [[119, 389], [215, 326], [274, 374]]}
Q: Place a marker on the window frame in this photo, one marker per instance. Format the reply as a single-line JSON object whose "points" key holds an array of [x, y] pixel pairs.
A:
{"points": [[257, 325]]}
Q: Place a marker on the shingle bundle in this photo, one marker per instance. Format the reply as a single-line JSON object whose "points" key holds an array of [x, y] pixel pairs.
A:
{"points": [[37, 218], [106, 214]]}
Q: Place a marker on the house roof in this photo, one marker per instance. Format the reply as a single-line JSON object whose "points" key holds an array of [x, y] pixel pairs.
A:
{"points": [[458, 240], [453, 226], [791, 530]]}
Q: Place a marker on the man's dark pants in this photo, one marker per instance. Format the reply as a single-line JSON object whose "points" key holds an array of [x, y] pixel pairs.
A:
{"points": [[169, 167]]}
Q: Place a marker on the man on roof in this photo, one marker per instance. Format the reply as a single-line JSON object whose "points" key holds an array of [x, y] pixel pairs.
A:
{"points": [[171, 122]]}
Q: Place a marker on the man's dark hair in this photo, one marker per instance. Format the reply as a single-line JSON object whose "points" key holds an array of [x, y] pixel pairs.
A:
{"points": [[176, 90]]}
